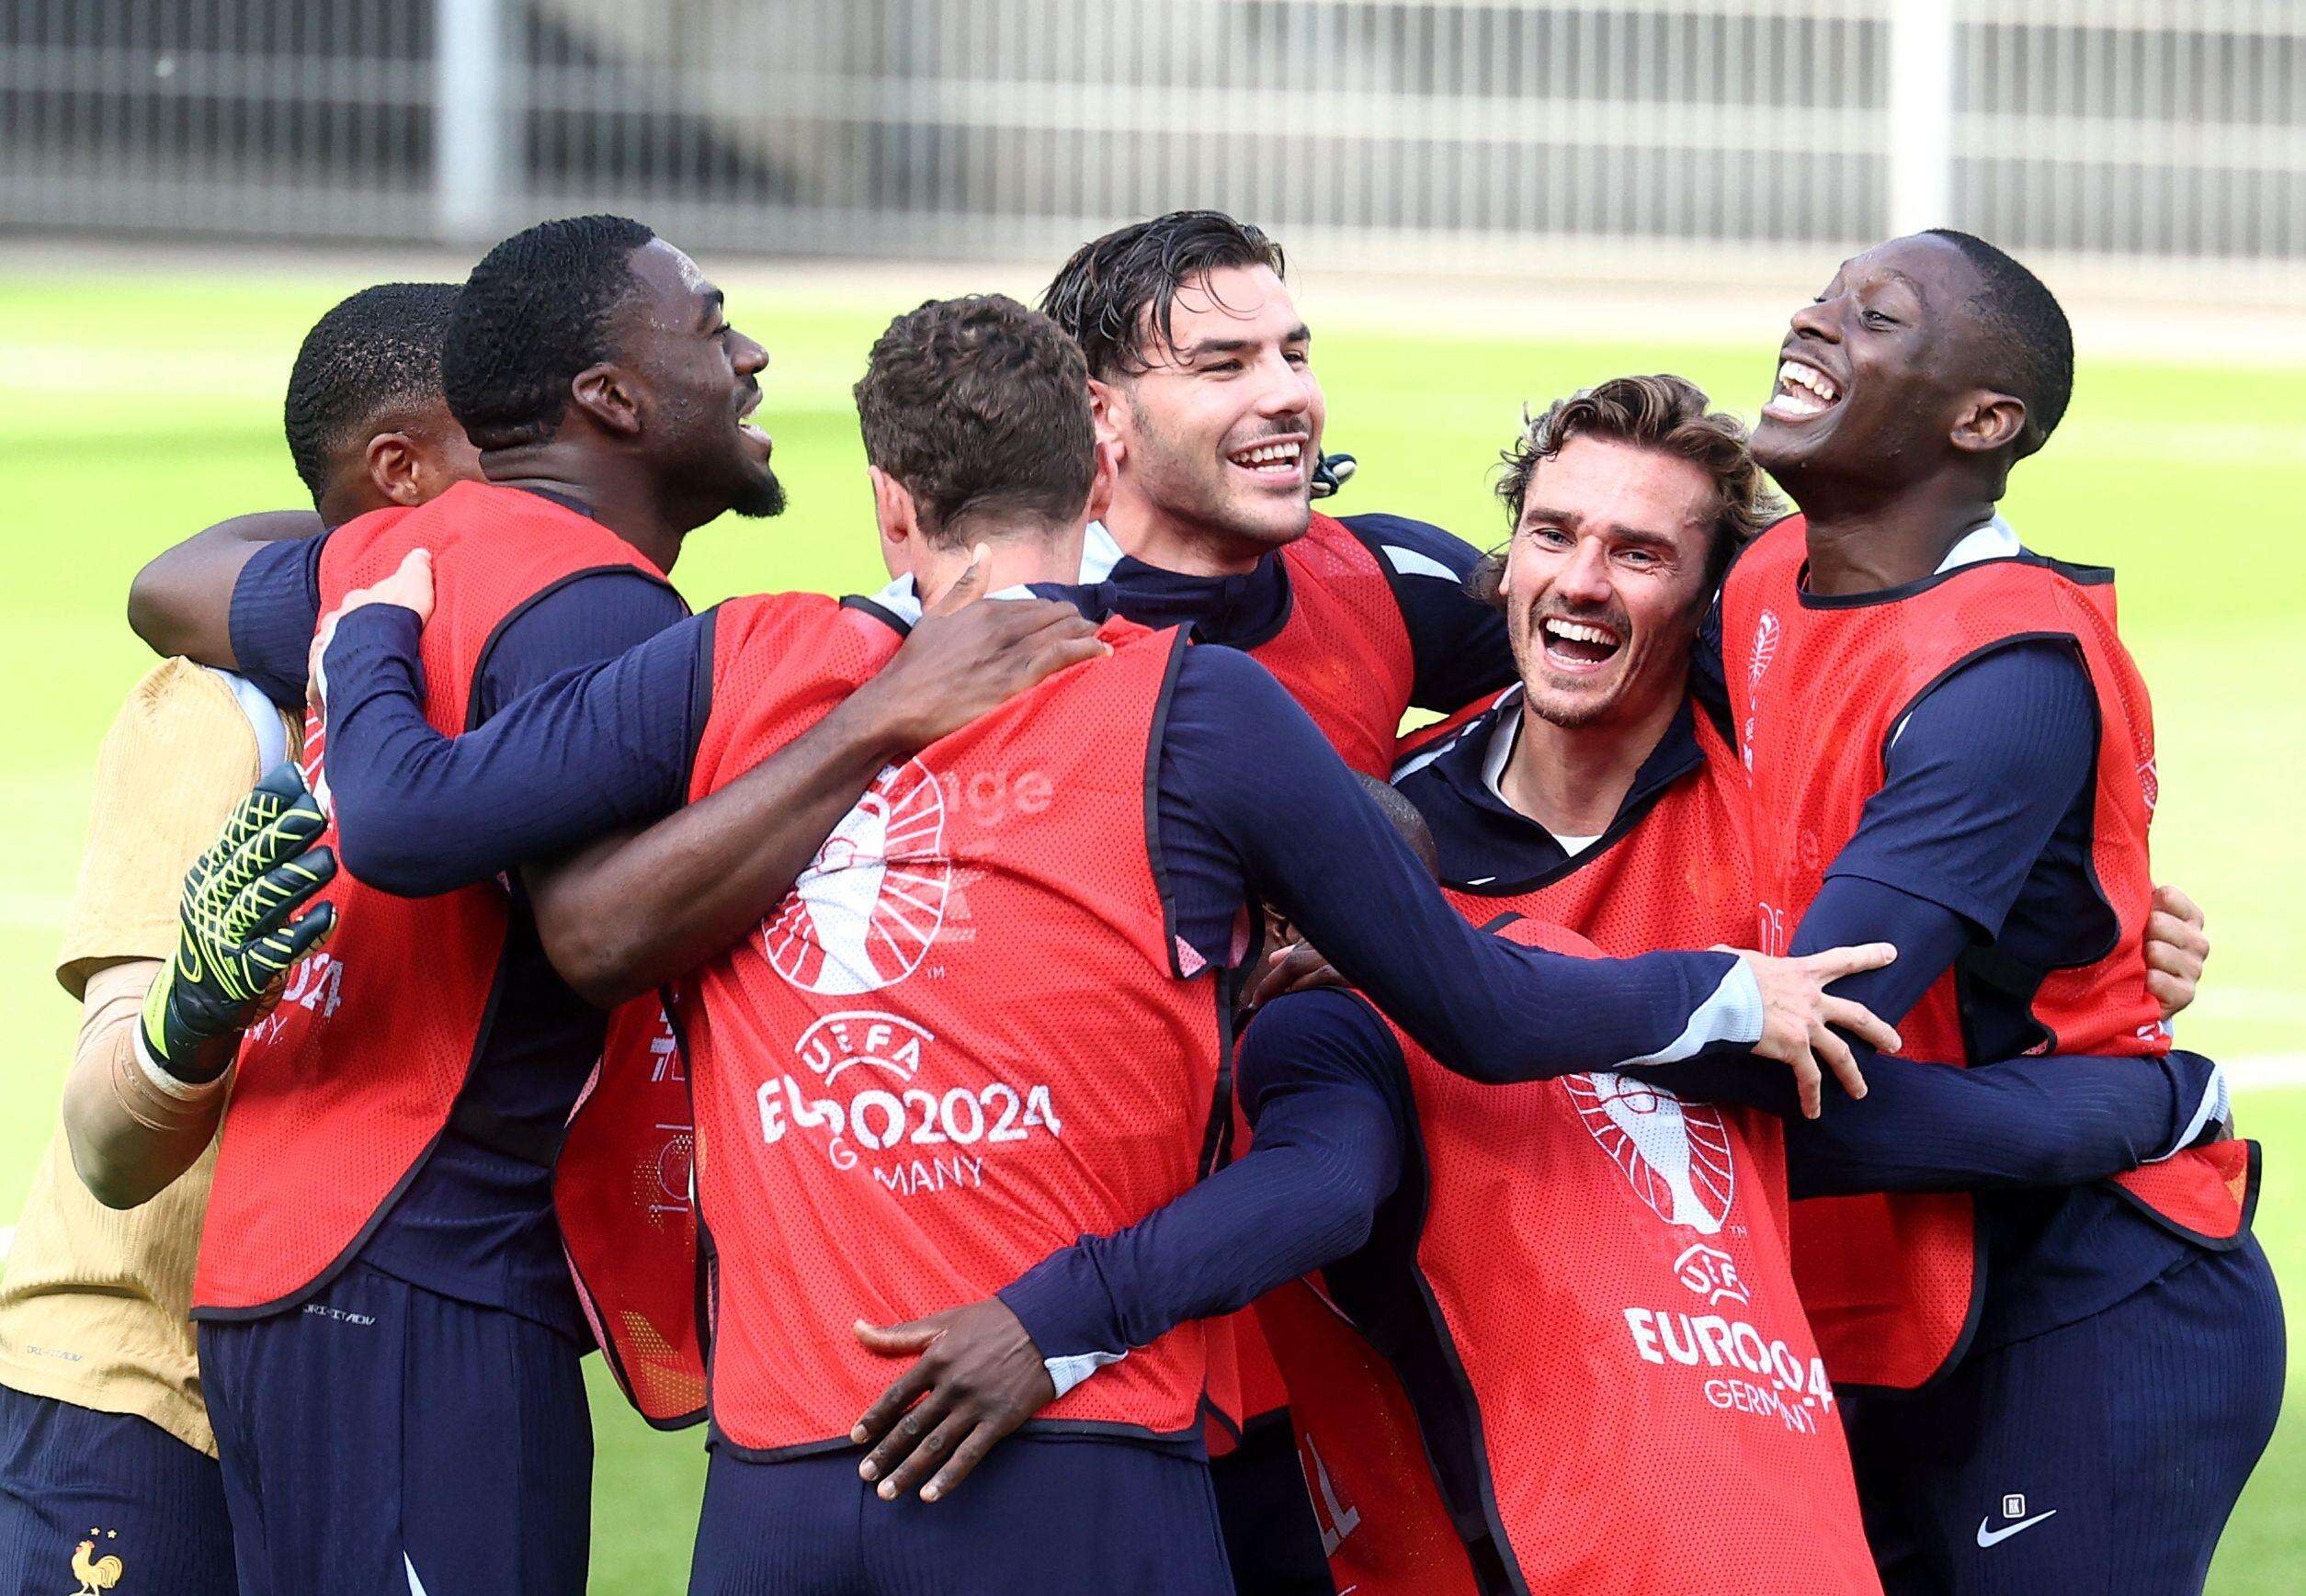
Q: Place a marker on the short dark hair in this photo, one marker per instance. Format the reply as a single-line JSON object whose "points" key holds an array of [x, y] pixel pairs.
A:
{"points": [[532, 315], [2029, 327], [1406, 818], [980, 406], [376, 350], [1663, 412], [1114, 295]]}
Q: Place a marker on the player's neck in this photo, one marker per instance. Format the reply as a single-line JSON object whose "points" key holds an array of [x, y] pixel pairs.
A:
{"points": [[1572, 779], [628, 504], [1168, 543], [1866, 542], [348, 501], [1014, 557]]}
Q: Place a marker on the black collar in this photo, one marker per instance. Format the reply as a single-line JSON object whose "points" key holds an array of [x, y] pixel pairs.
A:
{"points": [[566, 501], [1488, 847], [1241, 612]]}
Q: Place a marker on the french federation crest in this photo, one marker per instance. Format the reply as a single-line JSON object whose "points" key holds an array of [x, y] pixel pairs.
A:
{"points": [[1674, 1154], [862, 915]]}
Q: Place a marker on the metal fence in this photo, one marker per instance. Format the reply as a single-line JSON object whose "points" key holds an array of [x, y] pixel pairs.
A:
{"points": [[1616, 136]]}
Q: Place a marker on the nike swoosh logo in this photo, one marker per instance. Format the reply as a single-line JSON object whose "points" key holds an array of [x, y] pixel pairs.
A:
{"points": [[1995, 1537]]}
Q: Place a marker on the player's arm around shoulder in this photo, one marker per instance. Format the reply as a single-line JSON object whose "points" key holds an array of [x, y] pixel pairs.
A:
{"points": [[181, 752], [180, 602]]}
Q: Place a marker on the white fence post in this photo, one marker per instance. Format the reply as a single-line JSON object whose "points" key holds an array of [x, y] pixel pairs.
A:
{"points": [[1921, 115], [472, 128]]}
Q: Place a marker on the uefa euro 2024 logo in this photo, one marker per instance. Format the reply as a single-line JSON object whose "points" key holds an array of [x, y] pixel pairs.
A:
{"points": [[863, 914], [1675, 1155]]}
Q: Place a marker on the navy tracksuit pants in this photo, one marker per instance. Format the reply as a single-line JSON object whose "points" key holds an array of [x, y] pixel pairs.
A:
{"points": [[1044, 1515], [380, 1440], [2099, 1458], [81, 1486]]}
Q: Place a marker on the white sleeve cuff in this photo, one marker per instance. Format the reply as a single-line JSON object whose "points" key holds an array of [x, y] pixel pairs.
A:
{"points": [[2216, 1107], [1734, 1014], [1069, 1371]]}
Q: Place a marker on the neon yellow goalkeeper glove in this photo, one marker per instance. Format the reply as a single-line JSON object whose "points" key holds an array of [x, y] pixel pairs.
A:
{"points": [[235, 941]]}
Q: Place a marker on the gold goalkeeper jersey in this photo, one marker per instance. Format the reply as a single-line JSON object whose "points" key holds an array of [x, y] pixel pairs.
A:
{"points": [[93, 1301]]}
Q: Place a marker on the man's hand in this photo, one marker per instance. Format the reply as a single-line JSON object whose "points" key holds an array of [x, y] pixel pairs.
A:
{"points": [[410, 586], [234, 940], [2176, 948], [965, 658], [1294, 967], [979, 1377], [1797, 1014]]}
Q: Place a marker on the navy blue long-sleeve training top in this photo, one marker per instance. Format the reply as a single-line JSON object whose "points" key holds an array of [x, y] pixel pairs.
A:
{"points": [[417, 812], [1981, 834], [1991, 763], [1326, 1090], [1457, 645], [476, 1224]]}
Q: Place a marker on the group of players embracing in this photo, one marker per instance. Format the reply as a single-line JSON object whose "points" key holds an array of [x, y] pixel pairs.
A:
{"points": [[1036, 1058]]}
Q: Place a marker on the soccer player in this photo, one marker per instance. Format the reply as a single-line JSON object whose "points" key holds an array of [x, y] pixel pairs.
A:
{"points": [[1949, 745], [103, 1437], [905, 1080], [385, 1306], [1201, 373], [1201, 377], [1498, 1250]]}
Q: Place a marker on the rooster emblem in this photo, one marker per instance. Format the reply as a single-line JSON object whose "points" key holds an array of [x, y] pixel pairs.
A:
{"points": [[96, 1574]]}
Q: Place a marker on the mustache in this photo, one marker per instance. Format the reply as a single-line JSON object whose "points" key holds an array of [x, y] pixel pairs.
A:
{"points": [[1612, 616], [1296, 427]]}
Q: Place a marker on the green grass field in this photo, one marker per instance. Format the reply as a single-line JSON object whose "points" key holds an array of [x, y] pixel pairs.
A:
{"points": [[133, 412]]}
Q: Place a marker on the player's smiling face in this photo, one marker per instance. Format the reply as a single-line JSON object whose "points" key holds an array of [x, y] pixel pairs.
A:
{"points": [[1866, 383], [703, 384], [1218, 437], [1605, 579]]}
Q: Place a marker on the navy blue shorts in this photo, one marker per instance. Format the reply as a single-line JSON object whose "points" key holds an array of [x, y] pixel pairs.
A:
{"points": [[1041, 1516], [2102, 1456], [383, 1438], [78, 1487]]}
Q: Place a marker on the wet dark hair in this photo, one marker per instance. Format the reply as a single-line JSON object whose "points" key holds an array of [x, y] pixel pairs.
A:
{"points": [[2028, 327], [1114, 295], [370, 354], [533, 315], [1664, 413], [979, 406]]}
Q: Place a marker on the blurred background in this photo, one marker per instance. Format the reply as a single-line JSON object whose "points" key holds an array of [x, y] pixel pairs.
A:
{"points": [[2157, 138], [1485, 204]]}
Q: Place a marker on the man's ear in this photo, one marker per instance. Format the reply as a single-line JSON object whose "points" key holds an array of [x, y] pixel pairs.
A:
{"points": [[395, 462], [1988, 423], [608, 394], [1502, 582], [1101, 484], [899, 520], [1108, 412]]}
